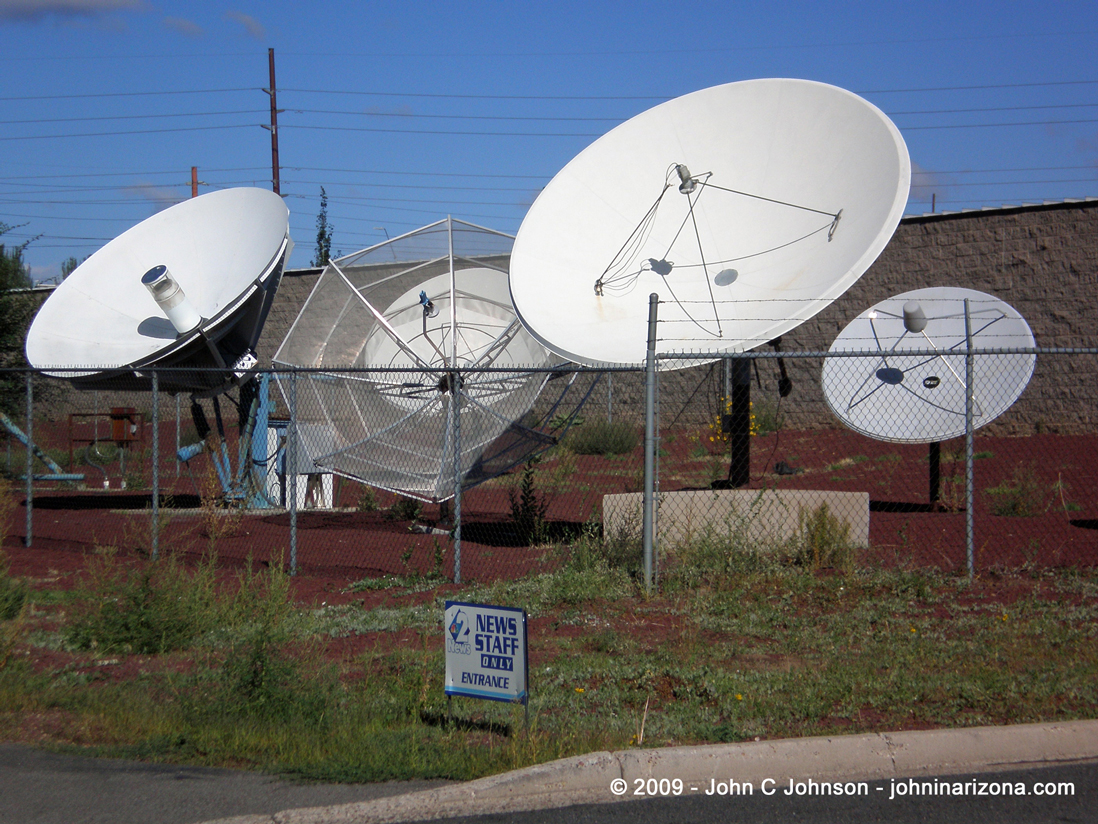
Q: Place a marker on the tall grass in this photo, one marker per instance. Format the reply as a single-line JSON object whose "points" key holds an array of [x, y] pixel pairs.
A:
{"points": [[743, 641]]}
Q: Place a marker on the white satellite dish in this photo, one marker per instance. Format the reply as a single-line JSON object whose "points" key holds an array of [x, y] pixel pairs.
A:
{"points": [[410, 313], [190, 287], [747, 208], [901, 398]]}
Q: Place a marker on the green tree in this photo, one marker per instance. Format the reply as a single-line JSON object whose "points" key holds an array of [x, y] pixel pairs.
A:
{"points": [[323, 233], [16, 311], [69, 266]]}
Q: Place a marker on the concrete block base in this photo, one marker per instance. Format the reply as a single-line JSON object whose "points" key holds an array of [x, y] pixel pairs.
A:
{"points": [[765, 517]]}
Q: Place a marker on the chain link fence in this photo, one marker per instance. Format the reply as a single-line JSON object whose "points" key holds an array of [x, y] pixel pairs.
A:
{"points": [[747, 452]]}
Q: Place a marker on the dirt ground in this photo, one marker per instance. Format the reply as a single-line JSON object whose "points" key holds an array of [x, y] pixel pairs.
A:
{"points": [[1054, 477]]}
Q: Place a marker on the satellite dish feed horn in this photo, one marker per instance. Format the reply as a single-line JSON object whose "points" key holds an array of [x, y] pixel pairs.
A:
{"points": [[169, 296], [914, 317]]}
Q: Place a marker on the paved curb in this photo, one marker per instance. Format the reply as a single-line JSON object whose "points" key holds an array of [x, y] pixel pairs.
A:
{"points": [[586, 779]]}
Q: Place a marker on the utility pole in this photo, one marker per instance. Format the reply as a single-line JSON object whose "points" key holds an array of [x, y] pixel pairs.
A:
{"points": [[274, 122], [195, 182]]}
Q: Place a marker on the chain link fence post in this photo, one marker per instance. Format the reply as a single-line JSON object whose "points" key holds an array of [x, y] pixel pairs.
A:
{"points": [[30, 459], [155, 531], [648, 510], [456, 436], [291, 470], [969, 481]]}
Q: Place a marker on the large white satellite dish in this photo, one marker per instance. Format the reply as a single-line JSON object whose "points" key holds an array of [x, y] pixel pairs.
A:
{"points": [[412, 313], [190, 288], [902, 398], [746, 207]]}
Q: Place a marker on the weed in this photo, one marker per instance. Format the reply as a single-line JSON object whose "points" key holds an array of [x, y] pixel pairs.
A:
{"points": [[11, 631], [367, 501], [561, 421], [845, 462], [7, 506], [220, 519], [13, 591], [154, 608], [528, 507], [766, 417], [261, 677], [13, 599], [138, 532], [1022, 496], [405, 509], [952, 493], [824, 542], [602, 437], [1059, 490]]}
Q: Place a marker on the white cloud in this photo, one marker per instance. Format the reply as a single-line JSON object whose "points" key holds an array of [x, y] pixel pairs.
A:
{"points": [[254, 28], [183, 26], [158, 196], [34, 11]]}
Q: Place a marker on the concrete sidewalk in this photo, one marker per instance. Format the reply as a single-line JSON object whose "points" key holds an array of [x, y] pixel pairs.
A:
{"points": [[587, 779]]}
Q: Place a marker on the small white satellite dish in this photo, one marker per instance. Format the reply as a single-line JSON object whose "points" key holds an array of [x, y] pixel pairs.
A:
{"points": [[747, 208], [901, 398], [190, 287], [411, 313]]}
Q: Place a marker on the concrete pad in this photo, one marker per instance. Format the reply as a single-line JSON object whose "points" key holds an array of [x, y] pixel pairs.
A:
{"points": [[763, 517]]}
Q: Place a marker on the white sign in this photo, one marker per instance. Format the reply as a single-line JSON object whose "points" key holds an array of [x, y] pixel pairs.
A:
{"points": [[486, 652]]}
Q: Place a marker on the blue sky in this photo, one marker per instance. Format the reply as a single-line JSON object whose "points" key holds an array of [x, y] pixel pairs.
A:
{"points": [[407, 111]]}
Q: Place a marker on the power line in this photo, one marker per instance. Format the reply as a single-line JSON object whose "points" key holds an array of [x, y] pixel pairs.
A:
{"points": [[135, 131], [128, 117], [101, 95], [415, 116], [982, 87], [998, 125]]}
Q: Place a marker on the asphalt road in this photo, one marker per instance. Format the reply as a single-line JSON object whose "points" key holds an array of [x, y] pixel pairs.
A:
{"points": [[1078, 805], [38, 787]]}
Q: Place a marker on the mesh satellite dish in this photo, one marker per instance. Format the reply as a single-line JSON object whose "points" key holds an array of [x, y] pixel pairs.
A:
{"points": [[190, 287], [747, 208], [410, 312], [901, 398]]}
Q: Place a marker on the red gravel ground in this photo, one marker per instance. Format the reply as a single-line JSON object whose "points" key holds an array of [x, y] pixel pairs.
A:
{"points": [[335, 547]]}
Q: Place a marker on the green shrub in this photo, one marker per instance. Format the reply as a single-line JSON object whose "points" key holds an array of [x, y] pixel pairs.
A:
{"points": [[147, 609], [262, 677], [602, 437], [161, 606]]}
